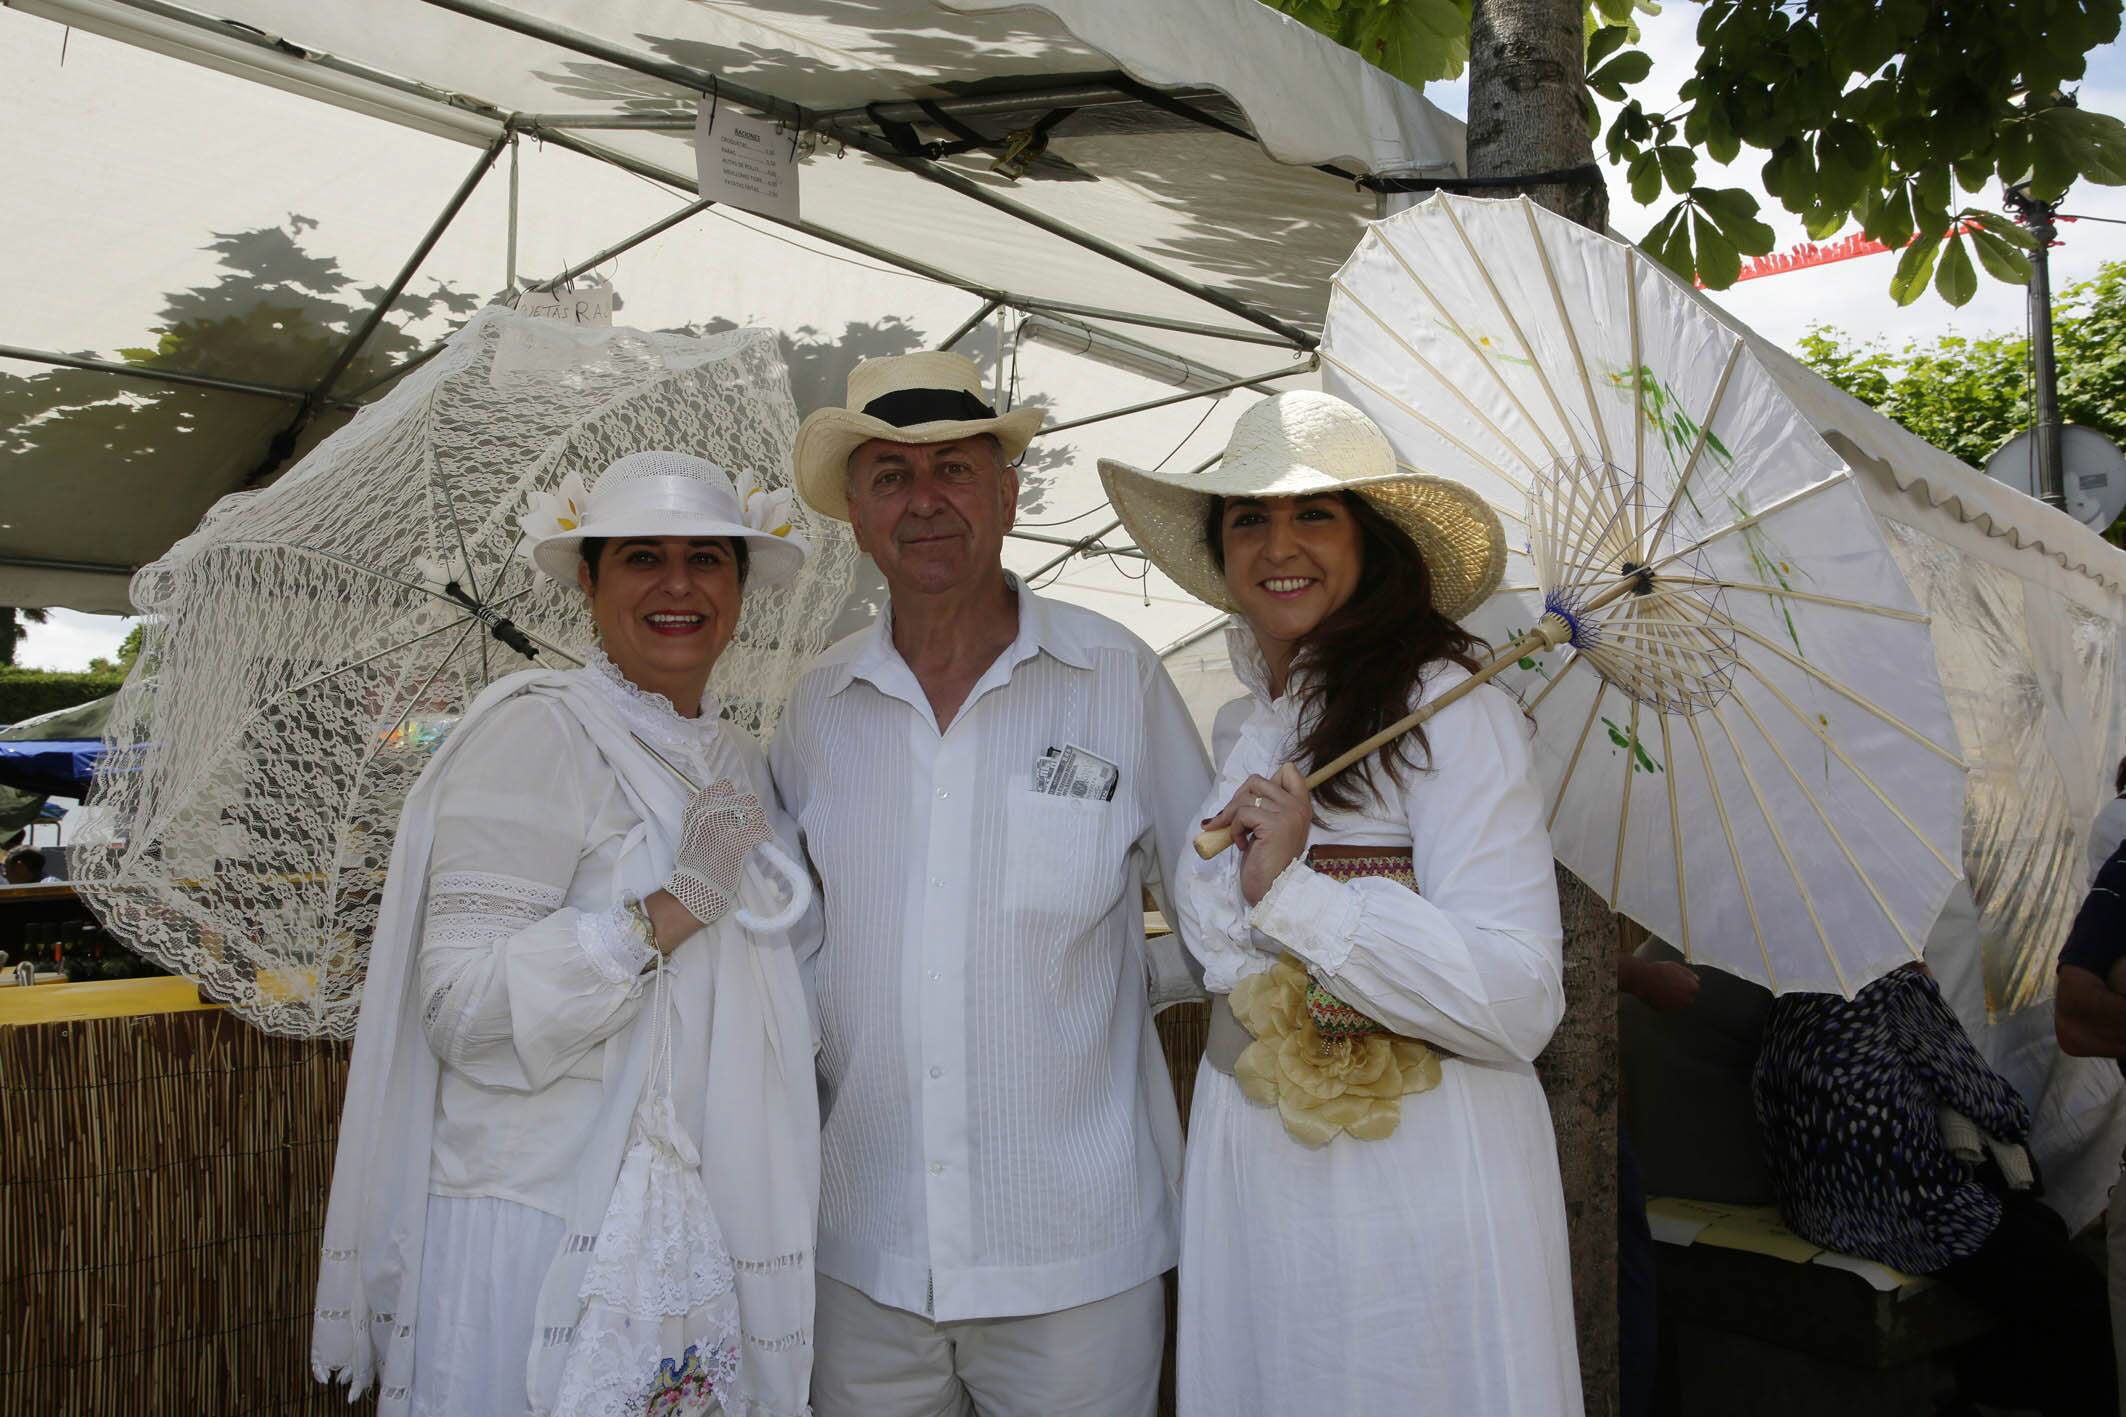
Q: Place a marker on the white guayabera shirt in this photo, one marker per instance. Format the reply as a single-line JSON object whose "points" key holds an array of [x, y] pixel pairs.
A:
{"points": [[999, 1130]]}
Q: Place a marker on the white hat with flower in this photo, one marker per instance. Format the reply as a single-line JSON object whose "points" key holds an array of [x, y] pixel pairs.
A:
{"points": [[663, 494]]}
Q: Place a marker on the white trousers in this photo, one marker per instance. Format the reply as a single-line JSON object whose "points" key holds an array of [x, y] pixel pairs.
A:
{"points": [[1097, 1360]]}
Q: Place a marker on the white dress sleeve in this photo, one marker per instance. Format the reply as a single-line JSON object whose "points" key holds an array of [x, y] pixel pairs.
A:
{"points": [[1211, 915], [1473, 960], [516, 986]]}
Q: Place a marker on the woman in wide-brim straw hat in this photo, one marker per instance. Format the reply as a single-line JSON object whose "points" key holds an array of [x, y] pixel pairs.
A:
{"points": [[1373, 1220], [578, 1159]]}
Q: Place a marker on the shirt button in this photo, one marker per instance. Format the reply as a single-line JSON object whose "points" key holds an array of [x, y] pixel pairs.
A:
{"points": [[935, 975], [942, 793], [937, 880], [937, 1072], [937, 1168]]}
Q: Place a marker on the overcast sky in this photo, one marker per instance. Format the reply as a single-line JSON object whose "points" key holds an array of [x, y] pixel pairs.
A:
{"points": [[1853, 296]]}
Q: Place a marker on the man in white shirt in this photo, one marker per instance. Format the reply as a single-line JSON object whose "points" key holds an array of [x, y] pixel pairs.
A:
{"points": [[986, 781]]}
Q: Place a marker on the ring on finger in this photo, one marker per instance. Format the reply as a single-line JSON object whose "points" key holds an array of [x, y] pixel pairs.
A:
{"points": [[1258, 802]]}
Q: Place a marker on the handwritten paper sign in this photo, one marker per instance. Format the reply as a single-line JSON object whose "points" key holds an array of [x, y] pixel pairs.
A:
{"points": [[585, 305], [742, 161]]}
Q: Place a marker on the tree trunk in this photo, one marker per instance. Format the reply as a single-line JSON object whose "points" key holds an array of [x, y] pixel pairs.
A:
{"points": [[1527, 73], [1579, 1072]]}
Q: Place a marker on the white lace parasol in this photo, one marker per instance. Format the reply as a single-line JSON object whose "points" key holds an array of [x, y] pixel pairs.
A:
{"points": [[302, 656]]}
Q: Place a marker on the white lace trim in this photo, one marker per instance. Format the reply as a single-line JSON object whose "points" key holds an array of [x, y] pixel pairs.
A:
{"points": [[478, 908], [789, 1261], [622, 1371], [473, 907], [614, 946], [651, 715], [660, 1303]]}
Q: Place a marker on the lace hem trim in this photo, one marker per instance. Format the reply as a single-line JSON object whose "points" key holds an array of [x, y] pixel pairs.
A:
{"points": [[796, 1338]]}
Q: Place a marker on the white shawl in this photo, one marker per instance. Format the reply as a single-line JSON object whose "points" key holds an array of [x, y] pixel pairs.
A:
{"points": [[742, 1077]]}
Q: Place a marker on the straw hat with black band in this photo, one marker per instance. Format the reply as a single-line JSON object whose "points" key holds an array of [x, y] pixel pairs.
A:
{"points": [[1301, 444], [930, 397]]}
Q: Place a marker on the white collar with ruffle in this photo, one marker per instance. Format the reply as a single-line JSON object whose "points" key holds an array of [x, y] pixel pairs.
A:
{"points": [[649, 714]]}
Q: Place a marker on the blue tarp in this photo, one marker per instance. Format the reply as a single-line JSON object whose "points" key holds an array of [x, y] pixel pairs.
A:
{"points": [[60, 768]]}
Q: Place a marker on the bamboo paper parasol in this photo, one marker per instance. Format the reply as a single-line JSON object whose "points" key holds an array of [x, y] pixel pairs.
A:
{"points": [[1739, 722]]}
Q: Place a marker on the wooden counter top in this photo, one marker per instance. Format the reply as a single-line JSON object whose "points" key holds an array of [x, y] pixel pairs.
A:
{"points": [[107, 998], [42, 890]]}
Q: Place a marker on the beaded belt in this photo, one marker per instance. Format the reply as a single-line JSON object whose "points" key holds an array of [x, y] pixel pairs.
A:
{"points": [[1291, 1044]]}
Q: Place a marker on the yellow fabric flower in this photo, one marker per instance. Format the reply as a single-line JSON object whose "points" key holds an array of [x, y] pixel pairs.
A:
{"points": [[1321, 1085]]}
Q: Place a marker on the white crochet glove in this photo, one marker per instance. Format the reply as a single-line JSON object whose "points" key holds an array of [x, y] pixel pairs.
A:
{"points": [[721, 827]]}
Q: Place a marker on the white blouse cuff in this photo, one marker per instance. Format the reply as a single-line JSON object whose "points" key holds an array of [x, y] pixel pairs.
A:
{"points": [[1310, 915], [612, 943]]}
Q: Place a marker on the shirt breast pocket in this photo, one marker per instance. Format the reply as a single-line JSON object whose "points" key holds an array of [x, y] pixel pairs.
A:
{"points": [[1064, 862]]}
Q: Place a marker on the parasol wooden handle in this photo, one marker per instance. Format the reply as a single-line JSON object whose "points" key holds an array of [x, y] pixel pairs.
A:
{"points": [[1550, 632]]}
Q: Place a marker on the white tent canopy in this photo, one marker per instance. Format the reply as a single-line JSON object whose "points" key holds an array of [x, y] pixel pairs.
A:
{"points": [[1207, 165]]}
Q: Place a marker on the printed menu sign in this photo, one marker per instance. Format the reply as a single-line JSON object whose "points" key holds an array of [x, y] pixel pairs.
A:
{"points": [[742, 161]]}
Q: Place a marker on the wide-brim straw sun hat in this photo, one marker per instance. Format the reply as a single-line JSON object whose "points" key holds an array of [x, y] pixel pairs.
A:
{"points": [[1300, 444], [930, 397], [657, 494]]}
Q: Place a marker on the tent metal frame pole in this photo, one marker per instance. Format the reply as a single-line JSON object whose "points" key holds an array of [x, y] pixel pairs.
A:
{"points": [[1077, 548], [989, 307], [140, 371], [628, 243], [1073, 545], [1307, 366], [656, 228], [1063, 231], [854, 244], [683, 75], [404, 366], [1157, 322], [41, 563], [611, 122], [1092, 93], [858, 246], [702, 81], [441, 224], [277, 51], [1202, 632]]}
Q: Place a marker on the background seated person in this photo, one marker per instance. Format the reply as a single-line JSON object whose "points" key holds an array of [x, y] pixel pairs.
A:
{"points": [[1850, 1095]]}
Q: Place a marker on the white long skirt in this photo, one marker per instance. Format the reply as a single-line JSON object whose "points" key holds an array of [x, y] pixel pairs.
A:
{"points": [[482, 1262], [1425, 1273]]}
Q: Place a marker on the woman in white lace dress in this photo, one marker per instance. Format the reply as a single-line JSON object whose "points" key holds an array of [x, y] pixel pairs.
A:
{"points": [[1372, 1213], [539, 1160]]}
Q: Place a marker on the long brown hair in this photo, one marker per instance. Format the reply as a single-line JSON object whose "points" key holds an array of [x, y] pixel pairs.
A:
{"points": [[1357, 671]]}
